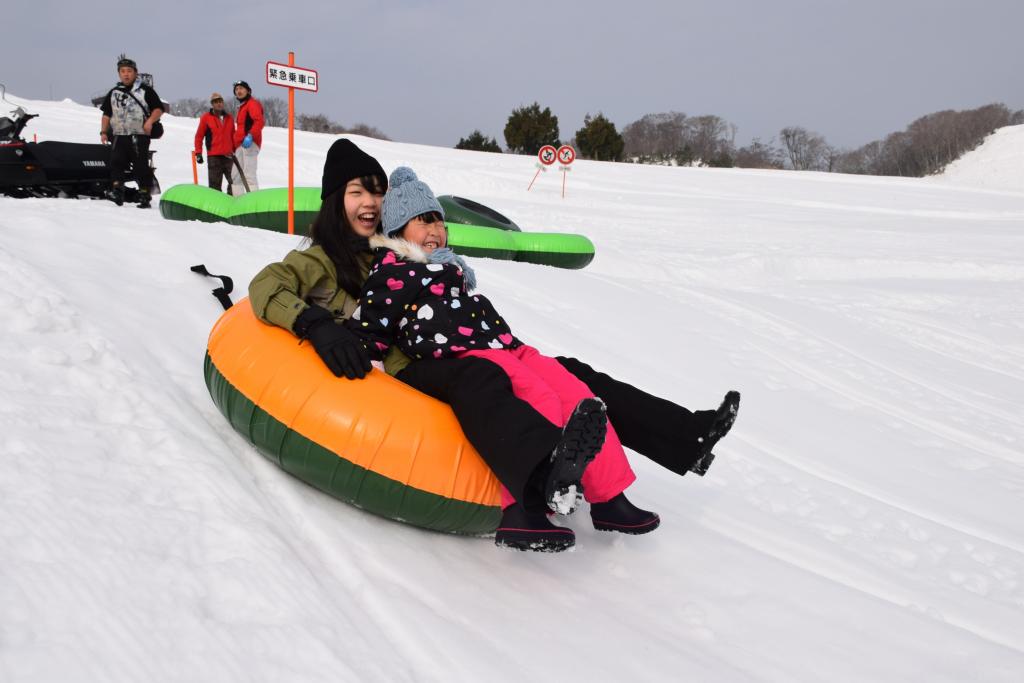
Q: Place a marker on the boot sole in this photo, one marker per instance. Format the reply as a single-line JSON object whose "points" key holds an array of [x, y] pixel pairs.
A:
{"points": [[521, 539], [700, 468], [632, 529], [725, 417], [582, 438]]}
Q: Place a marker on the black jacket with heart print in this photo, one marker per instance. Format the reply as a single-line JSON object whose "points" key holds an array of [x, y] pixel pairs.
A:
{"points": [[423, 307]]}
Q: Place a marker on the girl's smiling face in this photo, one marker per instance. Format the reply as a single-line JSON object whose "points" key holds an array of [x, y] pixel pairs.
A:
{"points": [[427, 230], [362, 208]]}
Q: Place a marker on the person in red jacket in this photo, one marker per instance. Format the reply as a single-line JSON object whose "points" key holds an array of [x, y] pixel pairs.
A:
{"points": [[248, 139], [217, 128]]}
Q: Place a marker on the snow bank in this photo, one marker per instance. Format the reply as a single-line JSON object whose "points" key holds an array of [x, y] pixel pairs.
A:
{"points": [[996, 164], [862, 521]]}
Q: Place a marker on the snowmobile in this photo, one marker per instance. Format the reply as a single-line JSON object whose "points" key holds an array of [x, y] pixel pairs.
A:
{"points": [[55, 169]]}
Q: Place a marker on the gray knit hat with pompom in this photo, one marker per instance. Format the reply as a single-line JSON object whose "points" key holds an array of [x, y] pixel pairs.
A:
{"points": [[406, 198]]}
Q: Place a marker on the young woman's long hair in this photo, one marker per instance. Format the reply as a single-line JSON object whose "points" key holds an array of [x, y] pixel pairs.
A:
{"points": [[333, 233]]}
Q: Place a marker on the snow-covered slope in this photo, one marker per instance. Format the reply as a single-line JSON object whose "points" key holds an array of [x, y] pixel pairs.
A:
{"points": [[862, 522], [996, 164]]}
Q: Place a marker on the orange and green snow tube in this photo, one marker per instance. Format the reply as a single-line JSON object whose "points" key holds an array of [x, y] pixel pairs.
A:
{"points": [[375, 443]]}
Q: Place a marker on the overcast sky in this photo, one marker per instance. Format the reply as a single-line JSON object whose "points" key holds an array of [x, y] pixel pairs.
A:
{"points": [[431, 72]]}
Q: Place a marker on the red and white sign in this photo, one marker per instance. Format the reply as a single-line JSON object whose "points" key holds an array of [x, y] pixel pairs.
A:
{"points": [[566, 155], [547, 155], [292, 77]]}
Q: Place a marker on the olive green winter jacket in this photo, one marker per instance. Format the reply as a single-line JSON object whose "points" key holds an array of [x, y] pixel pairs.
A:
{"points": [[282, 291]]}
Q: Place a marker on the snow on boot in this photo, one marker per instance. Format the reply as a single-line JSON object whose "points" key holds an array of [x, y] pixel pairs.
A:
{"points": [[724, 418], [618, 514], [582, 438], [522, 530]]}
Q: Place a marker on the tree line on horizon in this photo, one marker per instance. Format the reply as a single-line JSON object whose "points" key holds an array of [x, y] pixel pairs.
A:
{"points": [[924, 147], [275, 115]]}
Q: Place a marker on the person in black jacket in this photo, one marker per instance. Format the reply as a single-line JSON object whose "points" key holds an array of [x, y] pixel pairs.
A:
{"points": [[130, 110]]}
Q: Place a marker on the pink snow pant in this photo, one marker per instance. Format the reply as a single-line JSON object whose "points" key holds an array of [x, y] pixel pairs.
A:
{"points": [[554, 393]]}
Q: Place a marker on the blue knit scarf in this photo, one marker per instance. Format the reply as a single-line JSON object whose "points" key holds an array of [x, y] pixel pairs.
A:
{"points": [[446, 255]]}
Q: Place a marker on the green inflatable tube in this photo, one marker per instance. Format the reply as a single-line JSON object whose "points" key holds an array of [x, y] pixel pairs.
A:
{"points": [[468, 212], [268, 209]]}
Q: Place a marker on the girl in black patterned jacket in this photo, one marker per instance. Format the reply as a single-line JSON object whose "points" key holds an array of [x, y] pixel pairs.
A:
{"points": [[420, 296]]}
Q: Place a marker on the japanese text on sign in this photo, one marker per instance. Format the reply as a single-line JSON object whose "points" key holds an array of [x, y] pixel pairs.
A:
{"points": [[292, 77]]}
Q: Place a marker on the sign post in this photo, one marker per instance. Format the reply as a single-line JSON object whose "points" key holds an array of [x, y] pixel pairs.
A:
{"points": [[547, 156], [292, 77], [566, 155]]}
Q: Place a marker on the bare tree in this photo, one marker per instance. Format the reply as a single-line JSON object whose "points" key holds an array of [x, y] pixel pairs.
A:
{"points": [[275, 112], [190, 106], [852, 161], [930, 142], [317, 123], [759, 155], [367, 131], [711, 138], [832, 157], [655, 137], [804, 149]]}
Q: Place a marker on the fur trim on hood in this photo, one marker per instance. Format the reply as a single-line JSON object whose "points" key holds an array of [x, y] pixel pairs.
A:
{"points": [[415, 253], [404, 248]]}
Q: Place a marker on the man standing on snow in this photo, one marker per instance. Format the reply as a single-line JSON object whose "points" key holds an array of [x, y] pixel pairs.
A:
{"points": [[248, 139], [217, 128], [130, 110]]}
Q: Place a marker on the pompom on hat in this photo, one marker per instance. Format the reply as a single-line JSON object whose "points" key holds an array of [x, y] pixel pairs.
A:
{"points": [[406, 198]]}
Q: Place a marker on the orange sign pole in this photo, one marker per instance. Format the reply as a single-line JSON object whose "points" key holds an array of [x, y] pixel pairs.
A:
{"points": [[195, 171], [291, 77], [291, 152]]}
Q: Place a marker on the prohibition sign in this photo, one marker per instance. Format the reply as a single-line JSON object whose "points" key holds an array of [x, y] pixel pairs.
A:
{"points": [[566, 154], [547, 155]]}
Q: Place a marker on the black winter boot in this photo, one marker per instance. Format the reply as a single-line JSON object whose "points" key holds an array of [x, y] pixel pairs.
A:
{"points": [[582, 438], [144, 200], [116, 194], [725, 416], [522, 530], [618, 514]]}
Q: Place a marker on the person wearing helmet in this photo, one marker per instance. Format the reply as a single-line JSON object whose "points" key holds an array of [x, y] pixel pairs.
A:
{"points": [[130, 109], [248, 139]]}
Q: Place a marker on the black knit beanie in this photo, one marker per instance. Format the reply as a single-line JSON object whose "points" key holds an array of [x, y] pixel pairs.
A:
{"points": [[345, 162]]}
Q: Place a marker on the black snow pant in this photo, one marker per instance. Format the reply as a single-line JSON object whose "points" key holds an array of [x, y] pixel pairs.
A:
{"points": [[219, 169], [131, 152], [653, 427], [513, 438]]}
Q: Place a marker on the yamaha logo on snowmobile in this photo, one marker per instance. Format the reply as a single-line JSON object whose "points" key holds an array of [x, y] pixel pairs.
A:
{"points": [[93, 163]]}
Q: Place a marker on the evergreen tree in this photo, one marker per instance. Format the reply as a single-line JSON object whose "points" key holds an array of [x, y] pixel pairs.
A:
{"points": [[598, 139], [478, 142], [528, 129]]}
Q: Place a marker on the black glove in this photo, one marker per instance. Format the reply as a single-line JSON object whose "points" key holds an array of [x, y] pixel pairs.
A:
{"points": [[199, 158], [342, 351]]}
